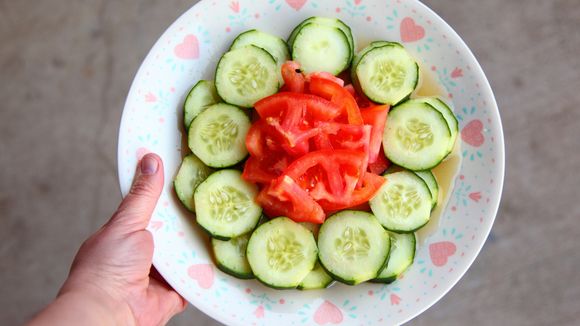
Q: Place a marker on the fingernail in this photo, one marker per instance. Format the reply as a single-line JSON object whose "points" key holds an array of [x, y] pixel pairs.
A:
{"points": [[149, 165]]}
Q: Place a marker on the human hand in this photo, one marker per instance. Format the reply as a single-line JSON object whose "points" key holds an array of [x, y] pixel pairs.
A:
{"points": [[111, 279]]}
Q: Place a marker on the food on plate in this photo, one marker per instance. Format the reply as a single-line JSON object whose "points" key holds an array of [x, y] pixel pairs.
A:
{"points": [[318, 169]]}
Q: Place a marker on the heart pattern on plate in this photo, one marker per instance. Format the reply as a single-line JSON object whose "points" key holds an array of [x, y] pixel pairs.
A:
{"points": [[441, 251], [328, 313], [472, 133], [203, 274], [410, 31], [188, 49], [296, 4]]}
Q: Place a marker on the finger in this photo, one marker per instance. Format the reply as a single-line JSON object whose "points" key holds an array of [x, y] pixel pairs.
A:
{"points": [[135, 211], [170, 303]]}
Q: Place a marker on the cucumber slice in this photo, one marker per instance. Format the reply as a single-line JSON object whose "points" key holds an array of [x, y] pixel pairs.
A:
{"points": [[360, 54], [273, 44], [331, 22], [432, 184], [231, 257], [318, 278], [417, 136], [225, 205], [217, 136], [246, 75], [281, 253], [321, 48], [387, 74], [353, 246], [447, 113], [191, 173], [403, 203], [401, 256], [201, 96]]}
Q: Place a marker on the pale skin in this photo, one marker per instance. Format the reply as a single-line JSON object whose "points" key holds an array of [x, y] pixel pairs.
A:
{"points": [[111, 281]]}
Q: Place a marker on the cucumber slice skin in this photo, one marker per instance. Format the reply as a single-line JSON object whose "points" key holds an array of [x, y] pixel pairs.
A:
{"points": [[410, 73], [185, 184], [208, 141], [274, 45], [202, 95], [432, 184], [447, 113], [235, 266], [420, 195], [361, 53], [267, 69], [381, 242], [423, 115], [311, 61], [245, 193], [292, 233], [332, 22], [318, 278], [391, 272], [426, 175]]}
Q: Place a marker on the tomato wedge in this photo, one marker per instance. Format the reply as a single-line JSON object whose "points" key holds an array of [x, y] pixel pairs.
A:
{"points": [[316, 107], [328, 174], [381, 164], [376, 116], [294, 80], [325, 75], [338, 95], [284, 197], [370, 185], [264, 170]]}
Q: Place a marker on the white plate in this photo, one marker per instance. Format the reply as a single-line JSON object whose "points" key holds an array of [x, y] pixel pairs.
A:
{"points": [[189, 50]]}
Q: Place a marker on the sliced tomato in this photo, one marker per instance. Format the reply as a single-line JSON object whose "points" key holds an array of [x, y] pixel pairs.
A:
{"points": [[325, 75], [284, 197], [264, 170], [337, 94], [262, 139], [294, 80], [344, 136], [349, 88], [370, 185], [381, 164], [328, 174], [316, 107], [376, 116]]}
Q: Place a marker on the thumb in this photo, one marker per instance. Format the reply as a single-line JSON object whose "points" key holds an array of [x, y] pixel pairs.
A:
{"points": [[135, 210]]}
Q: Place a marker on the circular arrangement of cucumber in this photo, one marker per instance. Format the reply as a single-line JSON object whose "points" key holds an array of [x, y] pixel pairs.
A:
{"points": [[350, 247]]}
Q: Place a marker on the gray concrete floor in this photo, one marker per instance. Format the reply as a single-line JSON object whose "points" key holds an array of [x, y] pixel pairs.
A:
{"points": [[65, 69]]}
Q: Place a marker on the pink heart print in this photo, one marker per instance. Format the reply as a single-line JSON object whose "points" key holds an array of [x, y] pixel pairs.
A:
{"points": [[441, 251], [472, 133], [203, 274], [395, 299], [411, 32], [259, 312], [188, 49], [327, 313], [296, 4]]}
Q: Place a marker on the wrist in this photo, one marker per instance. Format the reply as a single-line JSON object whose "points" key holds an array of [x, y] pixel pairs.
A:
{"points": [[90, 307]]}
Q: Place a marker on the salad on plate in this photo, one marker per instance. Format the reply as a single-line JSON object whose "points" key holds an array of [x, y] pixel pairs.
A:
{"points": [[311, 163]]}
